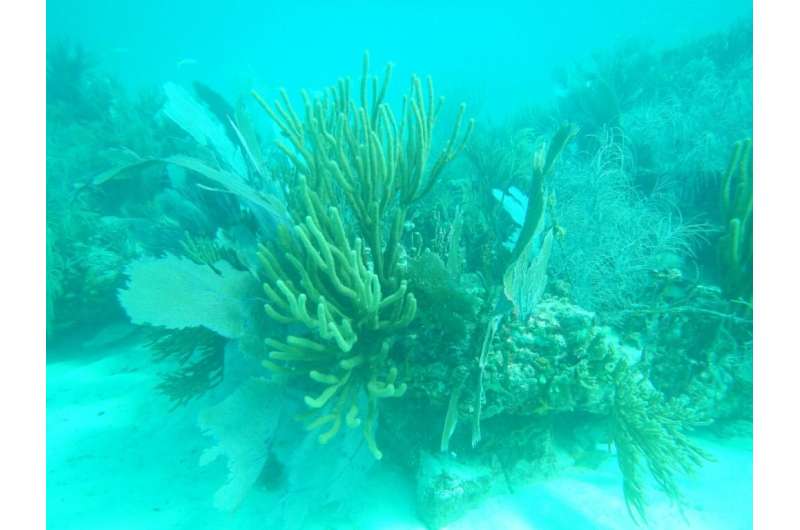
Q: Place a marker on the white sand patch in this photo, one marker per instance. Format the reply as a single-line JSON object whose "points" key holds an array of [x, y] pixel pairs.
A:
{"points": [[118, 458], [718, 497]]}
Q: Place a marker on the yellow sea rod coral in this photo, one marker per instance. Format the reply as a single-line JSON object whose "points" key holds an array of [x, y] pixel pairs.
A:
{"points": [[359, 170]]}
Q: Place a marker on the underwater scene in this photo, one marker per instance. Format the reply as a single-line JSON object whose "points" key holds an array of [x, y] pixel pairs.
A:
{"points": [[399, 265]]}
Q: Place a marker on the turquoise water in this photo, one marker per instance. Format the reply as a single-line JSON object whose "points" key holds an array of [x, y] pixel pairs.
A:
{"points": [[503, 282]]}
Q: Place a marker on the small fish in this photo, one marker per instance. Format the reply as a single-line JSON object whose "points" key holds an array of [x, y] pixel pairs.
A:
{"points": [[186, 62]]}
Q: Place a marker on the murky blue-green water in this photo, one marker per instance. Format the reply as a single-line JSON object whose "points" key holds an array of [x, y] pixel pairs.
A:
{"points": [[399, 265]]}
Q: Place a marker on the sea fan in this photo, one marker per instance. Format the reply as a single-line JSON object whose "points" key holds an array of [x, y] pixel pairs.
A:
{"points": [[178, 293], [202, 125], [243, 423], [524, 282]]}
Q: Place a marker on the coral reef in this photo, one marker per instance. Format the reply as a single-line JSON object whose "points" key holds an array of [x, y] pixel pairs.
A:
{"points": [[93, 233], [86, 257], [547, 300], [561, 368]]}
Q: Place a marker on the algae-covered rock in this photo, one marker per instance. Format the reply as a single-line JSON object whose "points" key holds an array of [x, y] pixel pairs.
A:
{"points": [[446, 489], [556, 361], [699, 347]]}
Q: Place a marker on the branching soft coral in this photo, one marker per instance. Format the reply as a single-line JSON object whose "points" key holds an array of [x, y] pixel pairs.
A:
{"points": [[355, 160], [648, 430], [199, 354], [736, 245]]}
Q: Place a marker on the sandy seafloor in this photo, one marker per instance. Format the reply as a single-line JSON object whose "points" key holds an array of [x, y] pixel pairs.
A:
{"points": [[118, 458]]}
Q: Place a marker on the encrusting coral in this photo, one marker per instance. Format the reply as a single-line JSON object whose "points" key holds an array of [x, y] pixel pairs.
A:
{"points": [[355, 161]]}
